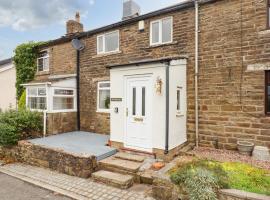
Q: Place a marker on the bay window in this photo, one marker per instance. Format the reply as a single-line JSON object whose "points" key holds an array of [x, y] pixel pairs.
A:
{"points": [[103, 96], [267, 92], [63, 99]]}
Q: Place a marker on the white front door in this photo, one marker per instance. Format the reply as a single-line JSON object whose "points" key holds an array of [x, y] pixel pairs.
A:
{"points": [[138, 113]]}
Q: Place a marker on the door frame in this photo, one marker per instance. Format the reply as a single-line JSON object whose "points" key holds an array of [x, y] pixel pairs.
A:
{"points": [[126, 78]]}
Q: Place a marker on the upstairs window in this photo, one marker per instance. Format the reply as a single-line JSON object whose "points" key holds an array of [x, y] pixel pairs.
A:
{"points": [[103, 98], [161, 31], [43, 61], [267, 92], [36, 98], [108, 42]]}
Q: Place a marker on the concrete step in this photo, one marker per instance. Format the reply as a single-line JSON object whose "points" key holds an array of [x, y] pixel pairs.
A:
{"points": [[118, 165], [130, 157], [113, 179]]}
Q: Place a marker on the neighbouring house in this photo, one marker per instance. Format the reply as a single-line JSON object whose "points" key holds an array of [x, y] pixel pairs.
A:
{"points": [[7, 82], [139, 83]]}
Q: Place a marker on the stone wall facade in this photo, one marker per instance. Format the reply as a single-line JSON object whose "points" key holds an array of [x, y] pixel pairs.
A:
{"points": [[231, 97], [62, 60], [61, 122]]}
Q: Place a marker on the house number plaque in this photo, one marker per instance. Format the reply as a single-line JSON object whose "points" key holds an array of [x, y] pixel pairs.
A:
{"points": [[116, 99]]}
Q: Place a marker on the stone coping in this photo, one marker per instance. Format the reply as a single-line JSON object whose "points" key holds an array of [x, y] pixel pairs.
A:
{"points": [[25, 142], [243, 195]]}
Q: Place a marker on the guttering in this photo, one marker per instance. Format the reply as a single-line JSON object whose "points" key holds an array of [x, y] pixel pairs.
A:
{"points": [[196, 71], [167, 108]]}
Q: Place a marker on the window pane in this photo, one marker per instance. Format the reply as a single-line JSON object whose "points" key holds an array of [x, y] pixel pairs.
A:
{"points": [[155, 32], [40, 64], [41, 92], [104, 99], [143, 101], [178, 100], [38, 103], [134, 101], [100, 44], [45, 64], [166, 30], [104, 85], [43, 54], [32, 91], [63, 92], [63, 103], [111, 41]]}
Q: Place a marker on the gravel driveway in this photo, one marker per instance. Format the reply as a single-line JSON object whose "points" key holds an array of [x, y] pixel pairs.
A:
{"points": [[15, 189]]}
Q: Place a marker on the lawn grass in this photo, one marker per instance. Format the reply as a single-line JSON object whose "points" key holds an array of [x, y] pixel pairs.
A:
{"points": [[236, 175], [245, 177]]}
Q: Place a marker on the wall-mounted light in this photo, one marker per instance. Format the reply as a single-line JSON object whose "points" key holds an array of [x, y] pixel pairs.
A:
{"points": [[159, 84]]}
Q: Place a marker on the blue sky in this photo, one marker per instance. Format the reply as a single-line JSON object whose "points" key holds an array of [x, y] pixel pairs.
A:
{"points": [[38, 20]]}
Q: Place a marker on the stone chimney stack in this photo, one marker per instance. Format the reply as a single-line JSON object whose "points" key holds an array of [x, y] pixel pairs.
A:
{"points": [[74, 26]]}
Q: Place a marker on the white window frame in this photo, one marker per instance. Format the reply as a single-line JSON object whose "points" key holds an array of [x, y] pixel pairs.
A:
{"points": [[103, 39], [28, 95], [179, 111], [103, 88], [60, 95], [160, 31], [43, 58]]}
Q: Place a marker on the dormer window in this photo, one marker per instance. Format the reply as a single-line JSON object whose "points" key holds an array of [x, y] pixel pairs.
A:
{"points": [[43, 61], [108, 42], [161, 31]]}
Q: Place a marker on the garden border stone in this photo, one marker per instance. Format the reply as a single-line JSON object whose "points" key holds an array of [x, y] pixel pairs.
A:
{"points": [[233, 194]]}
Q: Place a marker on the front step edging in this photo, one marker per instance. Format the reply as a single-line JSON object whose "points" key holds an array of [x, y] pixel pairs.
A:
{"points": [[113, 179]]}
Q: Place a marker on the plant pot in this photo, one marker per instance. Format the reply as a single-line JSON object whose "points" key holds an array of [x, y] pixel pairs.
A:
{"points": [[245, 148]]}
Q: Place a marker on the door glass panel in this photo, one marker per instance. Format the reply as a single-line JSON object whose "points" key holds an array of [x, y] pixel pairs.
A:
{"points": [[134, 101], [143, 101], [178, 100]]}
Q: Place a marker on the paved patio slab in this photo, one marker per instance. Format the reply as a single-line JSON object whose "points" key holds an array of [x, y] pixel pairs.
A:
{"points": [[83, 143]]}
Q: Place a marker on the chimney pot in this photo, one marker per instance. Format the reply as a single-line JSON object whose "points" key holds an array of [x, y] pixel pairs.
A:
{"points": [[77, 17]]}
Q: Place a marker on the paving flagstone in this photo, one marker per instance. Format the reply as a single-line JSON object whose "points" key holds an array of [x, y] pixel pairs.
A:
{"points": [[74, 187]]}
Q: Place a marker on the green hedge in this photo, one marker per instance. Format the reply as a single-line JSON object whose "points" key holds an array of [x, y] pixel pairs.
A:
{"points": [[19, 125]]}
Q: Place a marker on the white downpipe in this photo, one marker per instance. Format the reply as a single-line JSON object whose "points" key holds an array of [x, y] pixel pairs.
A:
{"points": [[44, 123], [196, 70]]}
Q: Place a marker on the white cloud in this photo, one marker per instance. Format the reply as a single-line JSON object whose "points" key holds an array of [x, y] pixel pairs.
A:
{"points": [[91, 2], [30, 14]]}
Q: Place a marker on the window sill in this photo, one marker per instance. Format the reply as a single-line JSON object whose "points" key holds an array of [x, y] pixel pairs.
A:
{"points": [[43, 73], [61, 111], [161, 45], [107, 54]]}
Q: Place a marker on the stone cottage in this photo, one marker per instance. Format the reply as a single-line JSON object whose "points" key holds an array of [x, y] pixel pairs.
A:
{"points": [[195, 71]]}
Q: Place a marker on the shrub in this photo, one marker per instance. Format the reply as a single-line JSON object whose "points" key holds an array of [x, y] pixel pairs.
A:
{"points": [[25, 123], [200, 179], [22, 101], [8, 135]]}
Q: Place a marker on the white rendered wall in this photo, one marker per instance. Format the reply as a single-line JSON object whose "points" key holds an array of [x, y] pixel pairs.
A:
{"points": [[177, 125], [177, 121], [7, 87]]}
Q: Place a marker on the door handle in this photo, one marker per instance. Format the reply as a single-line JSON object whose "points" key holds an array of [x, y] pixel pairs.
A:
{"points": [[127, 112]]}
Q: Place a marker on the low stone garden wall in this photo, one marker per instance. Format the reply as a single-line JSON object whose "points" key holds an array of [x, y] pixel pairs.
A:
{"points": [[75, 165]]}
